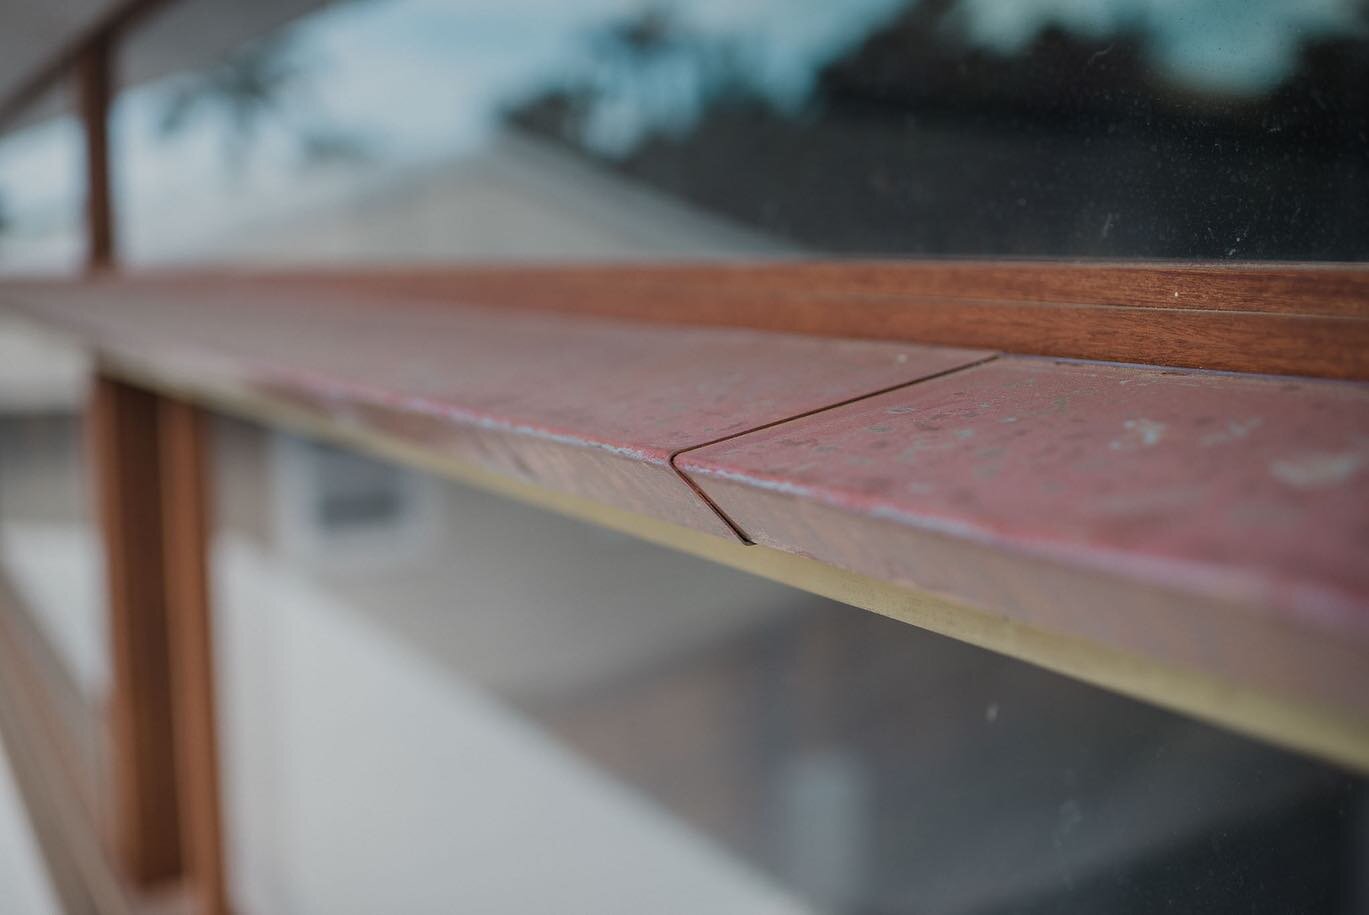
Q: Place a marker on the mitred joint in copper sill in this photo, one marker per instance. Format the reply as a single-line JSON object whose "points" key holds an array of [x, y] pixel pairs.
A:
{"points": [[1213, 521]]}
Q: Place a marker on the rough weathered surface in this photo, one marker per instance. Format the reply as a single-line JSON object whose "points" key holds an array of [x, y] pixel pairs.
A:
{"points": [[1210, 519], [594, 407]]}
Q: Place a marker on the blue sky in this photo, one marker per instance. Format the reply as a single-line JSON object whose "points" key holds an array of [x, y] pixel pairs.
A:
{"points": [[1220, 45]]}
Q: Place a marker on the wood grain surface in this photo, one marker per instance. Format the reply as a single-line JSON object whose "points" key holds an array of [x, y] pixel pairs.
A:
{"points": [[145, 810], [1279, 319]]}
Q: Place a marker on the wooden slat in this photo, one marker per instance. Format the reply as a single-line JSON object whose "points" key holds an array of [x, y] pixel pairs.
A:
{"points": [[1207, 521], [185, 531], [145, 829], [1333, 290], [74, 723], [1257, 321], [1272, 318], [49, 776]]}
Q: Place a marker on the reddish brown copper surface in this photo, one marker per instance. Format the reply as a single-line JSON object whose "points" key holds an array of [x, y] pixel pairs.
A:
{"points": [[595, 407], [1208, 521], [1118, 503]]}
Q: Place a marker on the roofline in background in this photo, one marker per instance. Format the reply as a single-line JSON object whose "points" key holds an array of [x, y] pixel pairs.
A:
{"points": [[120, 18]]}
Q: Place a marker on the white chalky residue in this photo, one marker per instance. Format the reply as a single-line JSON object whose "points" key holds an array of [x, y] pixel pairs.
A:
{"points": [[1140, 433], [1235, 430], [1318, 470]]}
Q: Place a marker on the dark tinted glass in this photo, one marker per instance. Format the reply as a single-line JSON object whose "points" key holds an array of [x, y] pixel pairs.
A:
{"points": [[1217, 129], [407, 129]]}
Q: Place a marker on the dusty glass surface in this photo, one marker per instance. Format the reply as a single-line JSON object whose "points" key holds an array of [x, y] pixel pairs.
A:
{"points": [[434, 699], [441, 129]]}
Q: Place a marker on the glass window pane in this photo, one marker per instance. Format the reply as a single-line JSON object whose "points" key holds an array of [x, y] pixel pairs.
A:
{"points": [[435, 699], [413, 129]]}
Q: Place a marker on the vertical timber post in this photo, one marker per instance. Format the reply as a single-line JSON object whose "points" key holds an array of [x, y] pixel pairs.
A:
{"points": [[95, 87], [185, 534], [152, 476], [145, 817], [150, 473]]}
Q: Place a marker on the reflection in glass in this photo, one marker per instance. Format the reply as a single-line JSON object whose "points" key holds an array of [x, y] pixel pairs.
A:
{"points": [[455, 702], [419, 129], [42, 190]]}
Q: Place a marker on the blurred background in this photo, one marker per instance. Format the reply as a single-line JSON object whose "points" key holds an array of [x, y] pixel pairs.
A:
{"points": [[383, 130], [436, 700]]}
